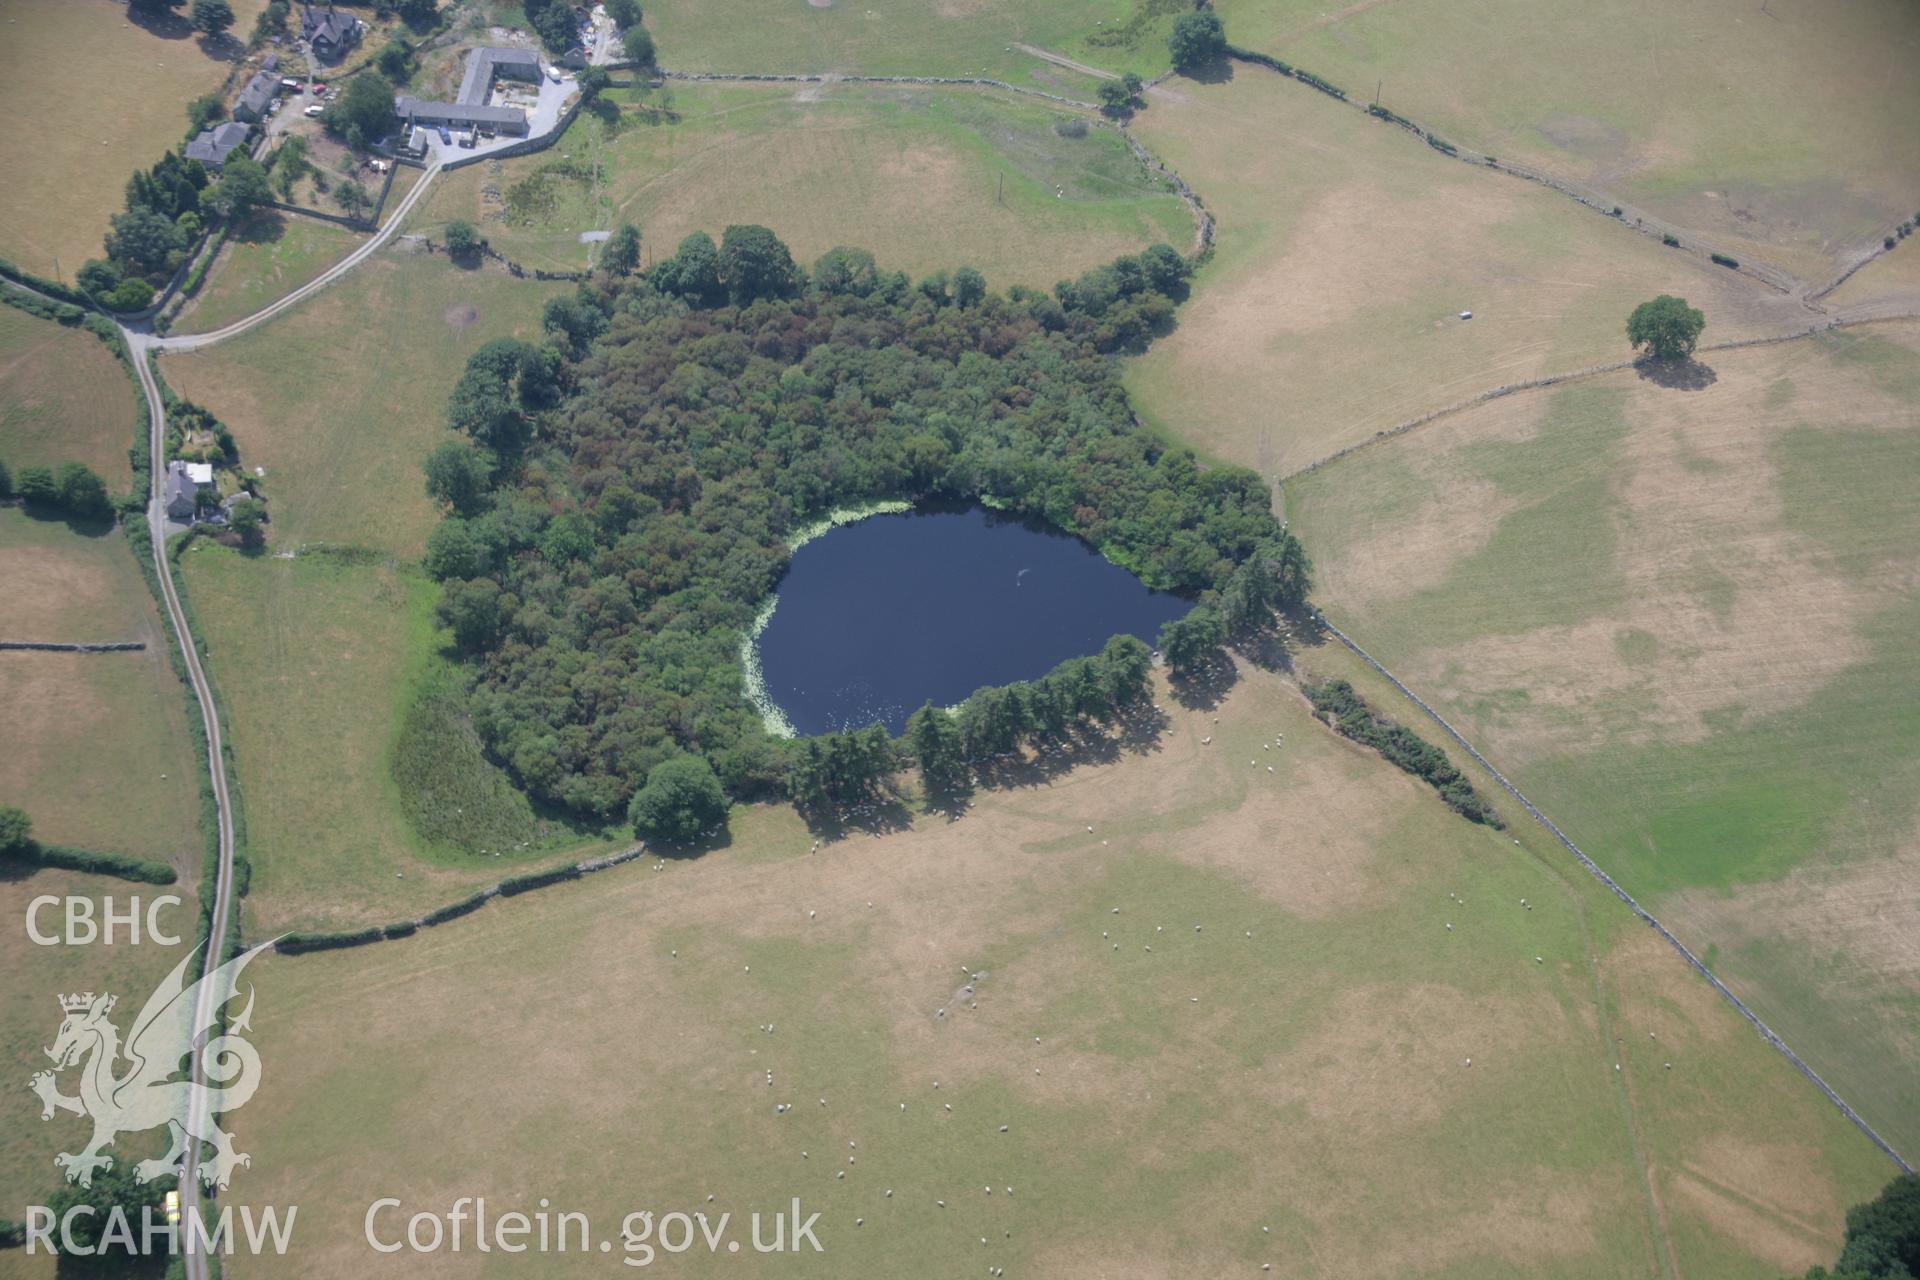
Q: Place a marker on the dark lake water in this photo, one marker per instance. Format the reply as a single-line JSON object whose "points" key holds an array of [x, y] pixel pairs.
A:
{"points": [[874, 618]]}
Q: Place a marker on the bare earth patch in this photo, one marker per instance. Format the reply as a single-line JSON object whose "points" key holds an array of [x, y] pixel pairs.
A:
{"points": [[459, 316]]}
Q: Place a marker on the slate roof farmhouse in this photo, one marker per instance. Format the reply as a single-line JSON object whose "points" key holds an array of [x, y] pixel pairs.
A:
{"points": [[328, 32], [256, 97], [472, 110], [212, 146]]}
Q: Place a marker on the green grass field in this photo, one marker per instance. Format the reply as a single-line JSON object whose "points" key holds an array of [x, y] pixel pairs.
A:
{"points": [[1780, 131], [30, 1017], [925, 180], [916, 37], [1346, 250], [63, 398], [1683, 620], [63, 183], [319, 659], [98, 751], [273, 255], [1140, 1095], [340, 398]]}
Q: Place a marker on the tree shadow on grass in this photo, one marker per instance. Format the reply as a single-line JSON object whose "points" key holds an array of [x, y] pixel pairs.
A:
{"points": [[1136, 731], [1684, 374], [1206, 688], [266, 226], [879, 816], [167, 24], [685, 851], [1219, 71], [84, 526]]}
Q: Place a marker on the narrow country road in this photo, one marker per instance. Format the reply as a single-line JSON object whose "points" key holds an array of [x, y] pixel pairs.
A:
{"points": [[222, 910], [195, 341]]}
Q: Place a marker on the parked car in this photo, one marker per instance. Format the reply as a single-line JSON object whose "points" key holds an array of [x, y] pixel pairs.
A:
{"points": [[290, 84], [553, 74], [446, 139], [314, 110]]}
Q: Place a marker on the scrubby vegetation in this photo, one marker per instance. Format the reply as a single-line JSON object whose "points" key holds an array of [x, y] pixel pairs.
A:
{"points": [[1338, 704], [633, 481]]}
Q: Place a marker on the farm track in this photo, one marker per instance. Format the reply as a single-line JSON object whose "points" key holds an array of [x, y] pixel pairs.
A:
{"points": [[1869, 313]]}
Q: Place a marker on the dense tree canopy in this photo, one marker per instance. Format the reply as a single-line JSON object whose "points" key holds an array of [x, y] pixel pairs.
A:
{"points": [[1666, 327], [1883, 1236], [363, 113], [654, 455], [1197, 40], [212, 17]]}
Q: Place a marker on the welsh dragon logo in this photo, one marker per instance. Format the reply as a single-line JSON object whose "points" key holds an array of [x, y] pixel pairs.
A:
{"points": [[144, 1095]]}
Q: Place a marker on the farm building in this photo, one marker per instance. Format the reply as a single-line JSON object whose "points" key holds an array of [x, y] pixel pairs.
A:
{"points": [[212, 146], [413, 113], [472, 109], [329, 33], [484, 64], [255, 98]]}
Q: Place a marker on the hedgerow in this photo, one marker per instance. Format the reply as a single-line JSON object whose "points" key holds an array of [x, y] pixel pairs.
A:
{"points": [[1338, 704]]}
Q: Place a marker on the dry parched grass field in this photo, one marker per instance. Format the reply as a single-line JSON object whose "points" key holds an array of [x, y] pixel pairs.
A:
{"points": [[1782, 132], [1683, 620], [926, 181], [1346, 250], [63, 398], [1226, 1026], [66, 174], [97, 747]]}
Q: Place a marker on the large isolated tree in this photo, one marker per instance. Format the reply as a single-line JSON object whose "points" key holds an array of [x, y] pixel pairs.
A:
{"points": [[212, 17], [638, 46], [681, 802], [622, 254], [1197, 40], [1666, 327], [462, 238]]}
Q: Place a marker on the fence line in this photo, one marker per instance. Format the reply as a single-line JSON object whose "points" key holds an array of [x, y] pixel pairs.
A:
{"points": [[296, 944], [48, 646], [1575, 375], [1594, 868]]}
